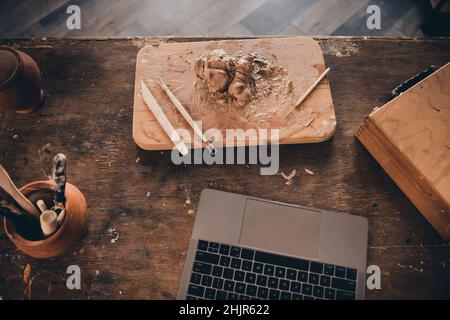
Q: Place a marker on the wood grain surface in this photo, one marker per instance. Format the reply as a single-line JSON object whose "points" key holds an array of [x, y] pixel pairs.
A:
{"points": [[409, 138], [142, 196]]}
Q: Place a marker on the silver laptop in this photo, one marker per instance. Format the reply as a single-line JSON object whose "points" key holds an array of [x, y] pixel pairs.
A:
{"points": [[246, 248]]}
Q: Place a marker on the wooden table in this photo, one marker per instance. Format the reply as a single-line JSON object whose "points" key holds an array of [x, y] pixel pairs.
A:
{"points": [[142, 195]]}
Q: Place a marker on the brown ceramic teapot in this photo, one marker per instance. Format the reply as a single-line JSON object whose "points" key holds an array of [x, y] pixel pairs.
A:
{"points": [[20, 81]]}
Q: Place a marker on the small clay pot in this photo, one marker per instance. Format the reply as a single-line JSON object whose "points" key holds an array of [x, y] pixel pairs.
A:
{"points": [[20, 81], [71, 231]]}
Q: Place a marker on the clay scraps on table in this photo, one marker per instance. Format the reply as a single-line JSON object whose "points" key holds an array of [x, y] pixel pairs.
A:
{"points": [[289, 177]]}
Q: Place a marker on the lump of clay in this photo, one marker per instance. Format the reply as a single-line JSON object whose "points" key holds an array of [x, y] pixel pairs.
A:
{"points": [[221, 72], [215, 70], [241, 85], [235, 80]]}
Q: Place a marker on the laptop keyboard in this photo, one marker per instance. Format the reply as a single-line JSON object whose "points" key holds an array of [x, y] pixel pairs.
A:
{"points": [[225, 272]]}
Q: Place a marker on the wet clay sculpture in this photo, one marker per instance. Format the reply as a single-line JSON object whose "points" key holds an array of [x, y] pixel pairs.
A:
{"points": [[233, 75]]}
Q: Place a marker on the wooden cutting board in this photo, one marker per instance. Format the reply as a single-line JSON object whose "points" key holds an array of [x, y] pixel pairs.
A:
{"points": [[410, 138], [301, 57]]}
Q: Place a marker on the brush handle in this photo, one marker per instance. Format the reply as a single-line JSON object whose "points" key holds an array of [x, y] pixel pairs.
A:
{"points": [[49, 222], [45, 155], [8, 206], [59, 178]]}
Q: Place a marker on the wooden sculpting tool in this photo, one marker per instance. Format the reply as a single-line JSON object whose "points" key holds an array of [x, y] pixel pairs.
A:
{"points": [[48, 219], [59, 178], [49, 222], [153, 105], [61, 212], [308, 92], [59, 209], [186, 116], [41, 205], [9, 187]]}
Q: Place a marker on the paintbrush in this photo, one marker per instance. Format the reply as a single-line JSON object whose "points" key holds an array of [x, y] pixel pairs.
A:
{"points": [[45, 155], [59, 178], [8, 206]]}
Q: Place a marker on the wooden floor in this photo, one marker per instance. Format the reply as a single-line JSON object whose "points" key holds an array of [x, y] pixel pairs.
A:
{"points": [[117, 18]]}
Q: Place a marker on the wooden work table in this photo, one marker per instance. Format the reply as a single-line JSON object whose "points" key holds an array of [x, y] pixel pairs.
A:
{"points": [[142, 196]]}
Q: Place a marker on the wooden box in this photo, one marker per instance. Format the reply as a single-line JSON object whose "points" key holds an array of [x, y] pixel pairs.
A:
{"points": [[410, 138]]}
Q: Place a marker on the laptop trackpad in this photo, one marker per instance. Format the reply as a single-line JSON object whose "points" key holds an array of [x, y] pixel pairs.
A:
{"points": [[281, 228]]}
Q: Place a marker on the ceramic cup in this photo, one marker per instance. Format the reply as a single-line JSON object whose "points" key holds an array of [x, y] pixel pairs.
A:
{"points": [[71, 231]]}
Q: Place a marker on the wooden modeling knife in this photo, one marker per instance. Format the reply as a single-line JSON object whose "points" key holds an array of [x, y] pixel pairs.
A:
{"points": [[159, 114], [187, 116]]}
